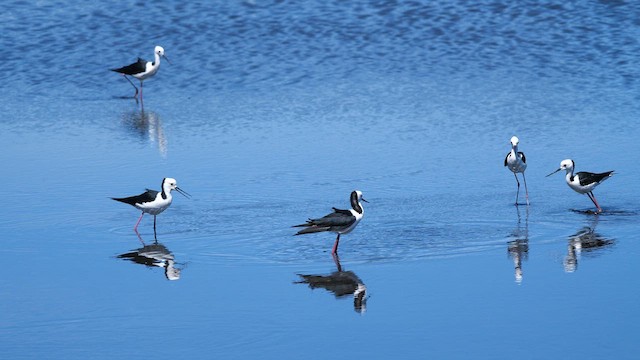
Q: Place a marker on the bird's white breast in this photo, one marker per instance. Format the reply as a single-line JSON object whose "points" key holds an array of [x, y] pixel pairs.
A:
{"points": [[515, 163], [575, 185], [149, 71], [156, 206]]}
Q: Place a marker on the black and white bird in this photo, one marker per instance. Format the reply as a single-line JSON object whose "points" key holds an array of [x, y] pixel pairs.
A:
{"points": [[339, 221], [517, 163], [153, 202], [142, 69], [583, 182]]}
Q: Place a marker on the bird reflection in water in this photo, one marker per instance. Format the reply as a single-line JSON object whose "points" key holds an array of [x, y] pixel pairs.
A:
{"points": [[341, 284], [518, 248], [585, 241], [154, 255], [147, 125]]}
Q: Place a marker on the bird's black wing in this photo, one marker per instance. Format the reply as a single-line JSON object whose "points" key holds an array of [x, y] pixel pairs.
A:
{"points": [[587, 178], [334, 219], [146, 196], [327, 222], [524, 159], [506, 157], [340, 211], [137, 67]]}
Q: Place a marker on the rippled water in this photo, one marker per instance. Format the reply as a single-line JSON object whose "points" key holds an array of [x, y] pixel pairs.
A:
{"points": [[272, 112]]}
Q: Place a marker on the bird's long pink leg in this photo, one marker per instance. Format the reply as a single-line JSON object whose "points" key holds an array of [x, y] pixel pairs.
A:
{"points": [[525, 187], [335, 246], [595, 202], [518, 192], [135, 228]]}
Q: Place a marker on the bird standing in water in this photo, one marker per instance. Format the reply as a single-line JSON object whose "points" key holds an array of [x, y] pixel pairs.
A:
{"points": [[517, 163], [153, 202], [339, 221], [583, 182], [142, 69]]}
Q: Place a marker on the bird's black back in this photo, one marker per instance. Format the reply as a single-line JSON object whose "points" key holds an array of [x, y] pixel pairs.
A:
{"points": [[587, 178], [146, 196], [137, 67]]}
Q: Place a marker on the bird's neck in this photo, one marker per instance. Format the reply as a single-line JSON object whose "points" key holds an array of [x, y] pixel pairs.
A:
{"points": [[357, 206], [569, 175], [156, 61], [166, 194]]}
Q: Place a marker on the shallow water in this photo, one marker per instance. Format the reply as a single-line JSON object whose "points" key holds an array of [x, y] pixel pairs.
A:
{"points": [[272, 112]]}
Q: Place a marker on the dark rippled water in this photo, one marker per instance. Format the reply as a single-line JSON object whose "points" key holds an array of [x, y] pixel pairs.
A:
{"points": [[272, 112]]}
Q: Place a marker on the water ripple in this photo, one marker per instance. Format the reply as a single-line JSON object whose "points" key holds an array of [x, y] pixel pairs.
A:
{"points": [[248, 44]]}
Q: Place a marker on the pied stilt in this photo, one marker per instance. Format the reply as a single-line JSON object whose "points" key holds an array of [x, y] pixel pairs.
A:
{"points": [[142, 69], [517, 163], [339, 221], [583, 182], [153, 202]]}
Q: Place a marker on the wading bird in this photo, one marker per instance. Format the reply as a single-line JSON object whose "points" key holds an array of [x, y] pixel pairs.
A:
{"points": [[339, 221], [583, 182], [517, 163], [142, 69], [153, 202]]}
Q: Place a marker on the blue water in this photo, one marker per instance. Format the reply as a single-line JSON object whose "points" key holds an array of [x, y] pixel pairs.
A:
{"points": [[272, 112]]}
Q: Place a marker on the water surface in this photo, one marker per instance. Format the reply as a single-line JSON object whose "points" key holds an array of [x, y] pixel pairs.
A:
{"points": [[274, 111]]}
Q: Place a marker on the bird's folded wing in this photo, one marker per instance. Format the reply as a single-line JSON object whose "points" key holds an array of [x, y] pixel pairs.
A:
{"points": [[334, 219], [587, 178]]}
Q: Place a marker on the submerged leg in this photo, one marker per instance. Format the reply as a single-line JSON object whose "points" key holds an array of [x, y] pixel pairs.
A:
{"points": [[141, 99], [335, 246], [517, 192], [132, 84], [140, 238], [135, 228], [525, 187], [336, 260], [595, 202]]}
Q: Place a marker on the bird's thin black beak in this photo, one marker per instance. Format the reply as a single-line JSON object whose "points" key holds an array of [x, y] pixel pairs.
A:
{"points": [[166, 58], [554, 172], [363, 199], [183, 193]]}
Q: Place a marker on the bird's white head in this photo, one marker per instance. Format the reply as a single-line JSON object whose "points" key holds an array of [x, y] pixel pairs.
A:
{"points": [[358, 195], [567, 164], [169, 184], [514, 141], [159, 50]]}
